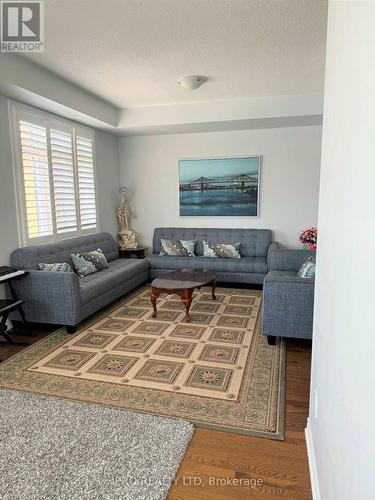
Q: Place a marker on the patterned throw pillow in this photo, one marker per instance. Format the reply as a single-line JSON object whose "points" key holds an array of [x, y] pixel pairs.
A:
{"points": [[181, 248], [89, 262], [307, 270], [224, 250], [59, 267]]}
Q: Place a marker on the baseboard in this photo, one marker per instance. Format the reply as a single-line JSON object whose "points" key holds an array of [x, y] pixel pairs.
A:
{"points": [[312, 462]]}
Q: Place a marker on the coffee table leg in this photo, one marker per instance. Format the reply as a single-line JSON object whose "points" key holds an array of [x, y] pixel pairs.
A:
{"points": [[213, 289], [186, 299], [154, 296]]}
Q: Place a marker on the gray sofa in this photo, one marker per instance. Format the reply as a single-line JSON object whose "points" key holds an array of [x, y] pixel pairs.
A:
{"points": [[251, 268], [288, 301], [64, 298]]}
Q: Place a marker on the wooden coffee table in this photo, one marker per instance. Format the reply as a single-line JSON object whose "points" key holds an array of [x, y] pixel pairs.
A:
{"points": [[182, 283]]}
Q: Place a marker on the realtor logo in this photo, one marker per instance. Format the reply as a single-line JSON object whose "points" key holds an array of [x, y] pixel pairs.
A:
{"points": [[22, 26]]}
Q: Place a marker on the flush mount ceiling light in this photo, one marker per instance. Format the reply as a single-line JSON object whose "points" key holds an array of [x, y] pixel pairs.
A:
{"points": [[191, 82]]}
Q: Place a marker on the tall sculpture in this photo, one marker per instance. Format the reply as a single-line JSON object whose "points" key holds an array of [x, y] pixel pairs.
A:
{"points": [[126, 237]]}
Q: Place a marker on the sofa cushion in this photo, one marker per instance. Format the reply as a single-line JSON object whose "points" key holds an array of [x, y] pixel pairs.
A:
{"points": [[89, 262], [118, 271], [182, 248], [221, 250], [254, 242], [307, 270], [57, 267], [243, 265]]}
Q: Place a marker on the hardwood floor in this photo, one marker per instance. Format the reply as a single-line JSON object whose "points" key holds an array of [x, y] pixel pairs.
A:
{"points": [[280, 467]]}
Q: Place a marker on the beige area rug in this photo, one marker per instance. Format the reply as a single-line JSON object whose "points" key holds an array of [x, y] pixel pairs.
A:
{"points": [[216, 371]]}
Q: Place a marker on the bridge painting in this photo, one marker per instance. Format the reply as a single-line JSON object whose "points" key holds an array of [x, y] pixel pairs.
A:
{"points": [[219, 187]]}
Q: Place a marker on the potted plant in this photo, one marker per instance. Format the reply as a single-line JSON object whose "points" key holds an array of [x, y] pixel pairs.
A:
{"points": [[309, 238]]}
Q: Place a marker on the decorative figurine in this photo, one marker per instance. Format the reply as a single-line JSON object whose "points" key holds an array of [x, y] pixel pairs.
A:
{"points": [[126, 237]]}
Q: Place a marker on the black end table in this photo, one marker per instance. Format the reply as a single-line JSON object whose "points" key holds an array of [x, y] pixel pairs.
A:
{"points": [[8, 306], [139, 252]]}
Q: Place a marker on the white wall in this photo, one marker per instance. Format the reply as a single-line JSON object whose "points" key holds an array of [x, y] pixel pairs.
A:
{"points": [[289, 177], [341, 425], [108, 179], [107, 182], [8, 214]]}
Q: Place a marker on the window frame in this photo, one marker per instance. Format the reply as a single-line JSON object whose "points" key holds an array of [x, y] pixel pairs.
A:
{"points": [[17, 112]]}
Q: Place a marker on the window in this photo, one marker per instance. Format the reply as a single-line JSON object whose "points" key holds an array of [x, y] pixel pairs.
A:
{"points": [[55, 176]]}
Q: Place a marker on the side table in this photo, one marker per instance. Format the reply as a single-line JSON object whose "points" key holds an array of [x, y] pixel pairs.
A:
{"points": [[139, 252], [8, 306]]}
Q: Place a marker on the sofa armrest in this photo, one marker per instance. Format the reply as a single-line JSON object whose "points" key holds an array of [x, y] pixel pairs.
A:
{"points": [[50, 297], [288, 260], [287, 277], [272, 248]]}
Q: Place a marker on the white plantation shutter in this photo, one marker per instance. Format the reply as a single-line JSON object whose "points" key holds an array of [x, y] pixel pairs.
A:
{"points": [[36, 179], [55, 172], [86, 183], [63, 181]]}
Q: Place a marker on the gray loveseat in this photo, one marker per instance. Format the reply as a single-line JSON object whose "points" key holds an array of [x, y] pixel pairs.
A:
{"points": [[251, 268], [288, 301], [64, 298]]}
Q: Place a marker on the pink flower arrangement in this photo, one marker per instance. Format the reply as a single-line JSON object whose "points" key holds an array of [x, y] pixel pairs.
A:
{"points": [[309, 238]]}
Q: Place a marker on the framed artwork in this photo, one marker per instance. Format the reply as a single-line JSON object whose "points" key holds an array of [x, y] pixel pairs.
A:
{"points": [[219, 187]]}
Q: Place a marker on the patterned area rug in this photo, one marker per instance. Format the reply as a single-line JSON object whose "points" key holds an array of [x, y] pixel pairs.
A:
{"points": [[216, 371]]}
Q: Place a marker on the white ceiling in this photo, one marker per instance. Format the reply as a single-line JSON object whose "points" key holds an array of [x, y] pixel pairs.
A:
{"points": [[132, 52]]}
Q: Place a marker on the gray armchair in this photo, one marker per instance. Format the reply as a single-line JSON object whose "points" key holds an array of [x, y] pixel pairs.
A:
{"points": [[288, 301]]}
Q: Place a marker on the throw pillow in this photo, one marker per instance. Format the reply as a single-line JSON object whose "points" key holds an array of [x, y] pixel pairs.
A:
{"points": [[181, 248], [224, 250], [307, 270], [58, 267], [89, 262]]}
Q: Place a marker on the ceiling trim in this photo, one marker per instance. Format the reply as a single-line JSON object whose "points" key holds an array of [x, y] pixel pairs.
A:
{"points": [[33, 85], [21, 79]]}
